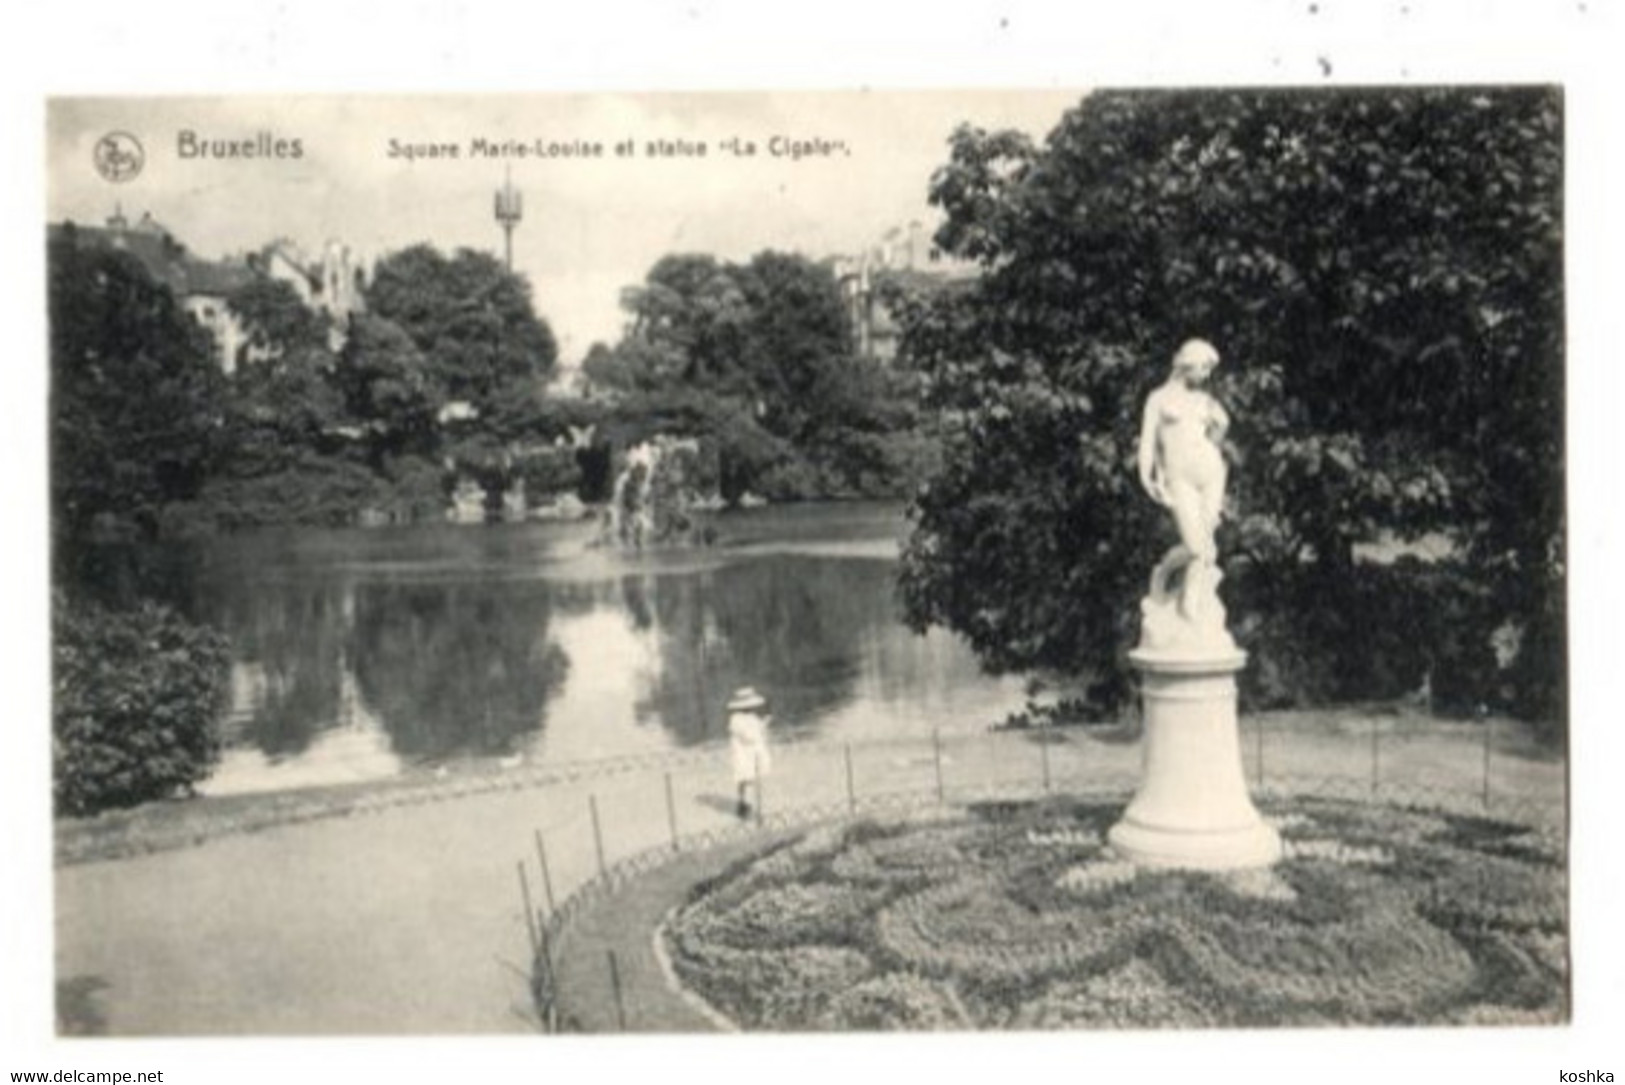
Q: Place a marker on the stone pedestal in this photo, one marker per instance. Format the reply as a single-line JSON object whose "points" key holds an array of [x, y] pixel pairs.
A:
{"points": [[1192, 809]]}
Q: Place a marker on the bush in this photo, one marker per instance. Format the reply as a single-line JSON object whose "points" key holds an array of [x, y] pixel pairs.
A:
{"points": [[790, 479], [549, 473], [136, 697], [1375, 632], [316, 490], [871, 464], [415, 489]]}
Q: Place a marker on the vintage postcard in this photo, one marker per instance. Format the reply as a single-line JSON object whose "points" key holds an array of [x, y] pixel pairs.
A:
{"points": [[1072, 560], [537, 503]]}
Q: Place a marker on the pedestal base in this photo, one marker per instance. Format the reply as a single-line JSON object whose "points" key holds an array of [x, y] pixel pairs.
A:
{"points": [[1192, 808], [1233, 849]]}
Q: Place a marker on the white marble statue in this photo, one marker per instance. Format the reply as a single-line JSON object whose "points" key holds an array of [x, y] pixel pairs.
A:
{"points": [[1182, 467], [1192, 809]]}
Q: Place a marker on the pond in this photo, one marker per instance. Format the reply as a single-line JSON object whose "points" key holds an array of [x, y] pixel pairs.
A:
{"points": [[360, 654]]}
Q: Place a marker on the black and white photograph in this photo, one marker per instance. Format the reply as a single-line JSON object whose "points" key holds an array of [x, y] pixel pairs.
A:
{"points": [[1083, 559]]}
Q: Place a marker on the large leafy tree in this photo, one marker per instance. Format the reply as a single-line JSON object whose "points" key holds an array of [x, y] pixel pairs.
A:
{"points": [[285, 403], [1382, 271], [475, 342], [275, 321], [798, 343], [389, 388], [758, 357], [470, 318], [137, 399], [683, 368], [688, 322]]}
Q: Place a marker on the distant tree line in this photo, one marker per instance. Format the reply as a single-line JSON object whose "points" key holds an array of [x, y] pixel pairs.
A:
{"points": [[313, 427], [444, 371]]}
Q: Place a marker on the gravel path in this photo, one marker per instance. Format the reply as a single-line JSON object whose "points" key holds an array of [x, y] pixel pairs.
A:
{"points": [[405, 922]]}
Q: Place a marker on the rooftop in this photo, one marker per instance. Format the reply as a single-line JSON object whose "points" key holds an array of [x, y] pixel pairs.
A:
{"points": [[166, 259]]}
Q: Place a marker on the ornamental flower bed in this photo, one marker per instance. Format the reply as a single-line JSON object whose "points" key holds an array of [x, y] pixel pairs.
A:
{"points": [[1020, 916], [895, 1000]]}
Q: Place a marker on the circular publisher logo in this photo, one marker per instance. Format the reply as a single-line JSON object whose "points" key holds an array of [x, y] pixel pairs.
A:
{"points": [[119, 156]]}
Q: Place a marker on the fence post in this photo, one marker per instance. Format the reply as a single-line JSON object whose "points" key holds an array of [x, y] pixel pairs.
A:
{"points": [[615, 983], [1374, 770], [1043, 753], [936, 753], [547, 878], [1488, 729], [1258, 752], [851, 792], [530, 912], [760, 798], [671, 813], [550, 1008], [597, 835]]}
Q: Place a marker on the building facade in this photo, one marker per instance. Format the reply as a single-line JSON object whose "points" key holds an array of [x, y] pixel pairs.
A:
{"points": [[332, 284], [899, 259]]}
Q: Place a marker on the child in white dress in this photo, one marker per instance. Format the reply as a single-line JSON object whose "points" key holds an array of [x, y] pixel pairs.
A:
{"points": [[747, 741]]}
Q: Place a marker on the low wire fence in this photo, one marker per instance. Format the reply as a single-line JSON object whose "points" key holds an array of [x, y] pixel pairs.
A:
{"points": [[608, 828]]}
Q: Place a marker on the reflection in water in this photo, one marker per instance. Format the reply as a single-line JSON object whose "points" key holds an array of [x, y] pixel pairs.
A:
{"points": [[685, 674], [359, 653], [294, 634], [456, 669], [354, 748], [798, 626]]}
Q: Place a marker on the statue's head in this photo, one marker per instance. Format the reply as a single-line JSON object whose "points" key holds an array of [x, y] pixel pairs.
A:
{"points": [[746, 699], [1195, 359]]}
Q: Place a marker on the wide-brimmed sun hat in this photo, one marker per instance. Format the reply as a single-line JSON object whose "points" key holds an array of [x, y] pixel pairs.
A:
{"points": [[746, 699]]}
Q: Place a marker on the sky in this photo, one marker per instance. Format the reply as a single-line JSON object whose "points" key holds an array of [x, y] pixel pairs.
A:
{"points": [[591, 225]]}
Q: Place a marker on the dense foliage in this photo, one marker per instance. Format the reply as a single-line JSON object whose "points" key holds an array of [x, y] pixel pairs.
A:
{"points": [[471, 320], [758, 360], [136, 698], [442, 373], [1382, 271], [137, 402]]}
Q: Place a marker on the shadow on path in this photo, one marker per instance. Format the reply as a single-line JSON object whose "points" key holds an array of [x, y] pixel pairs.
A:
{"points": [[79, 1010]]}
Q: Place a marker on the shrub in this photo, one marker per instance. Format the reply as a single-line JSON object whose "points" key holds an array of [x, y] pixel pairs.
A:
{"points": [[790, 479], [1375, 632], [136, 697], [549, 472], [416, 489], [312, 489]]}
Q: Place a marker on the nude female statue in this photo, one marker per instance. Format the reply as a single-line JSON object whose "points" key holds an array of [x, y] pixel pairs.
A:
{"points": [[1181, 466]]}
